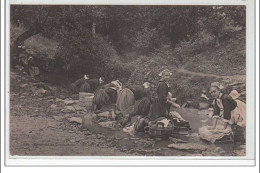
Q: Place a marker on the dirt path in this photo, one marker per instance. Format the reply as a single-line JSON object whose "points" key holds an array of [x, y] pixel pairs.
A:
{"points": [[182, 70]]}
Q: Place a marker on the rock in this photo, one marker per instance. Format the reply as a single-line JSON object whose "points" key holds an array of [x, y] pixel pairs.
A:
{"points": [[240, 152], [99, 136], [24, 85], [76, 119], [73, 140], [58, 100], [175, 140], [57, 118], [68, 102], [53, 106], [218, 150], [103, 114], [215, 136], [79, 108], [68, 109], [39, 92], [188, 146]]}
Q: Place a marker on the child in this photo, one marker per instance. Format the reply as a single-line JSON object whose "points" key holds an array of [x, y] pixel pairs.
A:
{"points": [[223, 105], [239, 116]]}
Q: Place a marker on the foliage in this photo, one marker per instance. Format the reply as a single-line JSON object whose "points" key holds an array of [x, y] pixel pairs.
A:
{"points": [[134, 43]]}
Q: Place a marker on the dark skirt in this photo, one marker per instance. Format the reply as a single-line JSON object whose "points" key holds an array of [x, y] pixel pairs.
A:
{"points": [[159, 109], [125, 101], [101, 98], [85, 87], [142, 106]]}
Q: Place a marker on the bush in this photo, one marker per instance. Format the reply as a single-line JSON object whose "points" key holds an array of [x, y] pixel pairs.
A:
{"points": [[82, 53]]}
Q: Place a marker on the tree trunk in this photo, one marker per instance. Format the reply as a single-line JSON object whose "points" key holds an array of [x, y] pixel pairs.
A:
{"points": [[33, 30]]}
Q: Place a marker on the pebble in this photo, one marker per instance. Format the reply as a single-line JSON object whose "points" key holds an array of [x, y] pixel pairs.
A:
{"points": [[218, 150], [53, 106], [57, 118], [68, 102], [58, 100], [68, 109], [76, 119]]}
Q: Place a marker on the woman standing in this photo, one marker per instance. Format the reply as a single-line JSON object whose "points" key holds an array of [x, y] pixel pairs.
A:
{"points": [[161, 105]]}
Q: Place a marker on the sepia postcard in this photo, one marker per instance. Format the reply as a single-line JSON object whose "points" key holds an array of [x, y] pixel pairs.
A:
{"points": [[92, 83]]}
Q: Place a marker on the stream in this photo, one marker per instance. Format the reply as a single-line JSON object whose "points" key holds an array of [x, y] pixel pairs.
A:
{"points": [[142, 144]]}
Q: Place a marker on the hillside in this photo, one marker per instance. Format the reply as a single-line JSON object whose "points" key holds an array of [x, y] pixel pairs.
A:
{"points": [[196, 66]]}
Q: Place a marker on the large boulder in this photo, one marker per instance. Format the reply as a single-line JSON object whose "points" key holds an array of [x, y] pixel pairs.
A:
{"points": [[217, 135]]}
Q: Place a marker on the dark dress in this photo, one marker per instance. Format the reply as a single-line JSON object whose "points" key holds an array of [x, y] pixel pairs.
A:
{"points": [[229, 105], [105, 96], [142, 100], [160, 107], [77, 87], [94, 84]]}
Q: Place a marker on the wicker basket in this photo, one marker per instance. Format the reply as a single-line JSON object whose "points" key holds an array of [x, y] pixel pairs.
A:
{"points": [[157, 129]]}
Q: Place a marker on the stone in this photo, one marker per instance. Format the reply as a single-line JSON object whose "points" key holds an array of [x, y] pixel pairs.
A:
{"points": [[53, 106], [218, 150], [216, 135], [58, 100], [103, 114], [79, 108], [188, 146], [76, 119], [68, 109], [175, 140], [39, 92], [57, 118], [68, 102]]}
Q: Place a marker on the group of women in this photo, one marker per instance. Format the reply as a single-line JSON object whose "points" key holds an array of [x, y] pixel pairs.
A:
{"points": [[131, 100], [136, 100]]}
